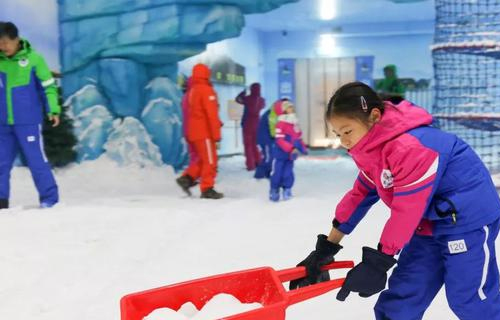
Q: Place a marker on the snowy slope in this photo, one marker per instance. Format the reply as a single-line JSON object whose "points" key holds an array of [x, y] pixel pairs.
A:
{"points": [[122, 230]]}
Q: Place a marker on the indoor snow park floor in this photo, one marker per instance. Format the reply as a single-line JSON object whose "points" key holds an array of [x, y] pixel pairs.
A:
{"points": [[123, 230]]}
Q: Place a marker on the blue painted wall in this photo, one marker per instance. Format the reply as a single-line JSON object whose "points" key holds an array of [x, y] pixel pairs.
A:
{"points": [[129, 51], [404, 44]]}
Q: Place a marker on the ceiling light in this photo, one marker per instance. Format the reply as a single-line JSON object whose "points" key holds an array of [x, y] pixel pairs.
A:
{"points": [[327, 44], [327, 9]]}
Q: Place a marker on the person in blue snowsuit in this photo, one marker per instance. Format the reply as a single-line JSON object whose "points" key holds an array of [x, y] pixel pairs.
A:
{"points": [[265, 142], [288, 144], [27, 92]]}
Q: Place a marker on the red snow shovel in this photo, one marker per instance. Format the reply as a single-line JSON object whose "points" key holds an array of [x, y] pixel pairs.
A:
{"points": [[262, 285]]}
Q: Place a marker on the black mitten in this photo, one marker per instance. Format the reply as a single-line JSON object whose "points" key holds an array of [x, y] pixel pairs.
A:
{"points": [[324, 253], [369, 276]]}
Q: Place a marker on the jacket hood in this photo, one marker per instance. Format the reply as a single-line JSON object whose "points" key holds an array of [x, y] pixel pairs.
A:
{"points": [[255, 89], [201, 71], [280, 106], [395, 121], [22, 53]]}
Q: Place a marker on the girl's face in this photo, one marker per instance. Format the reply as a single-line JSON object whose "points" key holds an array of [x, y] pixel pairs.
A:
{"points": [[351, 130], [289, 109]]}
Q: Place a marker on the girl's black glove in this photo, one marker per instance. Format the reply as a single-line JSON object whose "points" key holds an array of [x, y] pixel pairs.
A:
{"points": [[324, 253], [369, 276]]}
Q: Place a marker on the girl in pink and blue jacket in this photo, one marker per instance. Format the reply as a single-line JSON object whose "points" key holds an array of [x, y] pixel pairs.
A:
{"points": [[288, 144], [444, 212]]}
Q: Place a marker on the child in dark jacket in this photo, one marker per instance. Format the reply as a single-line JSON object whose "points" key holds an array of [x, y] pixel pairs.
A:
{"points": [[265, 142], [288, 144]]}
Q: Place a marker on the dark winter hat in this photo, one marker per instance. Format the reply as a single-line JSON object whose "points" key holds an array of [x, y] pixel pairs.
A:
{"points": [[354, 100], [8, 29]]}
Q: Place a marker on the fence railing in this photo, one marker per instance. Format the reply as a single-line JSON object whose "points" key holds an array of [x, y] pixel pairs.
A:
{"points": [[421, 97]]}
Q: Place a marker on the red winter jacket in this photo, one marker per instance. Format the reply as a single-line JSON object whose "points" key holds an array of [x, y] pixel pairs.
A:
{"points": [[203, 118]]}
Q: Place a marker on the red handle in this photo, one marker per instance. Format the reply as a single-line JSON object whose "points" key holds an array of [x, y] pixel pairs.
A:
{"points": [[311, 291]]}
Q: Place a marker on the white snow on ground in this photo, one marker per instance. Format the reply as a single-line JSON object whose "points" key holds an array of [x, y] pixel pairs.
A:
{"points": [[123, 230]]}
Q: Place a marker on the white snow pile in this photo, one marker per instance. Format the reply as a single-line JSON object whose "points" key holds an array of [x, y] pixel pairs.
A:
{"points": [[220, 306]]}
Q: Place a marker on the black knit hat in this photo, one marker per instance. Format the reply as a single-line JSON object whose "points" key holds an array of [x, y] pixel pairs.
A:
{"points": [[8, 29]]}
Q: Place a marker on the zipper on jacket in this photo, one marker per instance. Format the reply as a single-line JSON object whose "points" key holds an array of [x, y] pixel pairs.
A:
{"points": [[451, 211]]}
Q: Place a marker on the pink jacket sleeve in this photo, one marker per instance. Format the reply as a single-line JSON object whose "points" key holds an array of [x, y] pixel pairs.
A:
{"points": [[413, 168], [280, 140], [355, 204]]}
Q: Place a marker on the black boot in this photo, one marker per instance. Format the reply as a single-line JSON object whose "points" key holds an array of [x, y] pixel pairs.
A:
{"points": [[186, 182], [211, 194], [4, 203]]}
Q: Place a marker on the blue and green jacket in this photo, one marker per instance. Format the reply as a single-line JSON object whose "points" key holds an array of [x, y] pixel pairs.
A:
{"points": [[27, 88]]}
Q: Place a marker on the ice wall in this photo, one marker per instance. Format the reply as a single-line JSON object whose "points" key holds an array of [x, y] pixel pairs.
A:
{"points": [[124, 53]]}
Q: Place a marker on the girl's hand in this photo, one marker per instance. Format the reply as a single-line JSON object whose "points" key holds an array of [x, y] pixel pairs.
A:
{"points": [[369, 276], [324, 253]]}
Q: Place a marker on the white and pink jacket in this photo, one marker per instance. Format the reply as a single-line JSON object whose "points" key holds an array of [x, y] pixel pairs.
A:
{"points": [[287, 131], [409, 165]]}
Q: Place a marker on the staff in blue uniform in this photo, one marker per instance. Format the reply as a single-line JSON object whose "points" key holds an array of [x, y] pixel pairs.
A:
{"points": [[27, 92]]}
